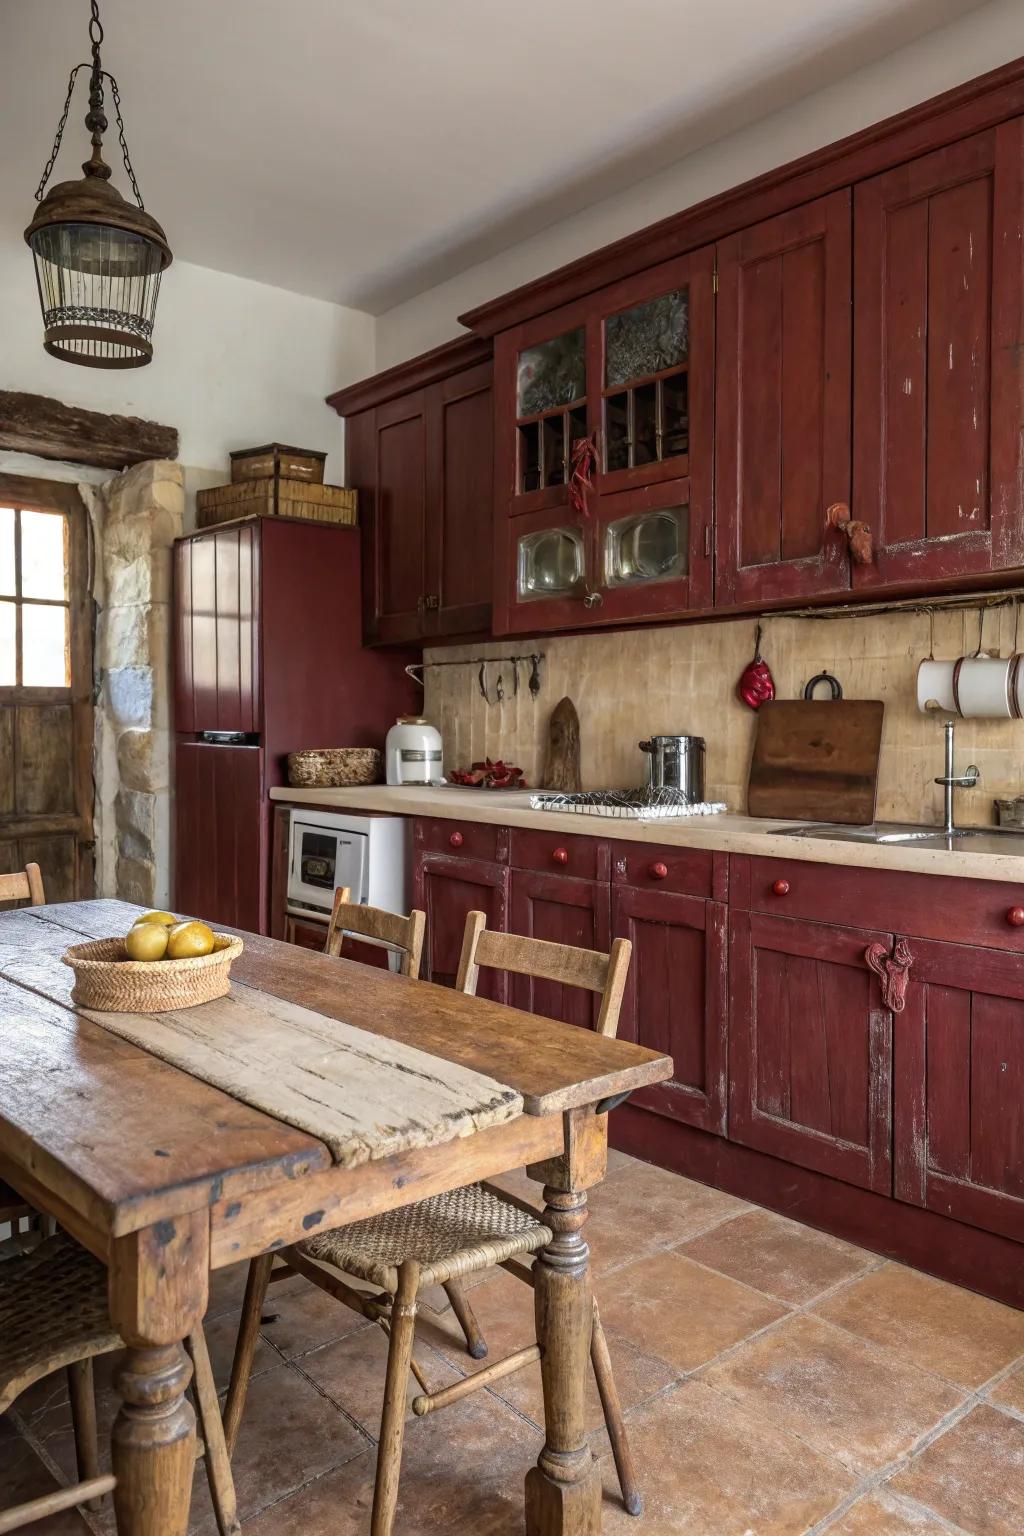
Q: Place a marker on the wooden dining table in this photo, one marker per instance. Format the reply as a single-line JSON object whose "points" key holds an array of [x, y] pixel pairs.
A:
{"points": [[149, 1139]]}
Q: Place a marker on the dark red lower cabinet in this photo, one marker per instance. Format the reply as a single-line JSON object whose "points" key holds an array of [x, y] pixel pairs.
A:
{"points": [[563, 911], [959, 1086], [446, 888], [220, 864], [676, 998], [810, 1048]]}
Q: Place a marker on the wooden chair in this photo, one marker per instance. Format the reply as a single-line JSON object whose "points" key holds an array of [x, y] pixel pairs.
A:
{"points": [[439, 1241], [53, 1316], [402, 936], [24, 885]]}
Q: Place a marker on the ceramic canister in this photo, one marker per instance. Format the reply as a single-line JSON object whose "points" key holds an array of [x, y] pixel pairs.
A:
{"points": [[981, 687]]}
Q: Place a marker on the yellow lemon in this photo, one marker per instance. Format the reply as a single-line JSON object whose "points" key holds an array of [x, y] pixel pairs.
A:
{"points": [[167, 918], [186, 940], [222, 940], [146, 941]]}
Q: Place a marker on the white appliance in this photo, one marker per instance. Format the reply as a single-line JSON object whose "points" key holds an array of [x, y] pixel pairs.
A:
{"points": [[413, 752], [327, 849]]}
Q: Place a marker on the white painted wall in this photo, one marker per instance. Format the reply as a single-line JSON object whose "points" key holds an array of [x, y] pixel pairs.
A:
{"points": [[980, 41], [236, 362]]}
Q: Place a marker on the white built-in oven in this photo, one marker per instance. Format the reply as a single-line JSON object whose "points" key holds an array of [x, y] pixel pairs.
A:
{"points": [[328, 849]]}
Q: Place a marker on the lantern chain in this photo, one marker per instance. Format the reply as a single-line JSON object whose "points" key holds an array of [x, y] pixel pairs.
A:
{"points": [[115, 97], [54, 152]]}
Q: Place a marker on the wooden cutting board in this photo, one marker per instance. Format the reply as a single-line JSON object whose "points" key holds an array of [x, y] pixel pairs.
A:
{"points": [[816, 760]]}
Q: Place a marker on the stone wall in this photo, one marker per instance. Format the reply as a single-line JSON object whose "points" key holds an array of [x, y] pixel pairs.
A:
{"points": [[136, 520], [630, 684]]}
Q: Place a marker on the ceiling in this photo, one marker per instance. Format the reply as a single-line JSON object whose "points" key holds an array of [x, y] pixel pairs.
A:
{"points": [[363, 150]]}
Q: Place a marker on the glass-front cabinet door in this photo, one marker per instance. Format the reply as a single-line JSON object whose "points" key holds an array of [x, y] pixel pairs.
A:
{"points": [[604, 453]]}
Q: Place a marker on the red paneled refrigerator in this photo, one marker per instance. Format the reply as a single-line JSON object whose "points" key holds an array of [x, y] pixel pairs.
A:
{"points": [[268, 660]]}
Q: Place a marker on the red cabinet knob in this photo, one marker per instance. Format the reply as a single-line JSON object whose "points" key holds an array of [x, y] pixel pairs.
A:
{"points": [[456, 839], [561, 855], [659, 871], [780, 887], [1015, 917]]}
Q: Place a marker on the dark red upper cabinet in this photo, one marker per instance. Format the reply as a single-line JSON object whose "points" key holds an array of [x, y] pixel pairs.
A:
{"points": [[418, 449], [629, 370], [938, 388], [782, 431], [217, 582]]}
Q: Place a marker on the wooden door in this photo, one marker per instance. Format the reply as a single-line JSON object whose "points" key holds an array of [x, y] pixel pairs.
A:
{"points": [[959, 1086], [938, 387], [676, 998], [217, 579], [810, 1048], [460, 492], [219, 836], [447, 889], [782, 425], [46, 713], [562, 910]]}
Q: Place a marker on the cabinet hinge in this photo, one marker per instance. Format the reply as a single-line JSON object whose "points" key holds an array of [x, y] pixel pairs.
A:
{"points": [[707, 541], [714, 279]]}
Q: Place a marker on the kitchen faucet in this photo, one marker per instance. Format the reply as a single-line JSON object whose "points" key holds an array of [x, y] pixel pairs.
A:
{"points": [[951, 781]]}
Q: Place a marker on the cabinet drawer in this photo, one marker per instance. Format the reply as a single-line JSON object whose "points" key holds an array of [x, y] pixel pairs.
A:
{"points": [[587, 858], [684, 871], [928, 906], [466, 839]]}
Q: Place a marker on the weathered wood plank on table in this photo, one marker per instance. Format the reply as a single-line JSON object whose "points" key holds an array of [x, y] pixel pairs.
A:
{"points": [[127, 1139]]}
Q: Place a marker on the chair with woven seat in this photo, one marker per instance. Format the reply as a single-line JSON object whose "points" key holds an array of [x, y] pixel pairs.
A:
{"points": [[54, 1315], [443, 1239]]}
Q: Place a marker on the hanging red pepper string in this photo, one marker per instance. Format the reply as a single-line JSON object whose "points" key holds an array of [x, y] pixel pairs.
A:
{"points": [[584, 462]]}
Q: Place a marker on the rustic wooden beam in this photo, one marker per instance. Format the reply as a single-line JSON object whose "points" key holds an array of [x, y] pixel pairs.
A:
{"points": [[36, 424]]}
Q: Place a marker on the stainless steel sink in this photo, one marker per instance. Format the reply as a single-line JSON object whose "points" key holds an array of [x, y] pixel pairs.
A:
{"points": [[967, 839]]}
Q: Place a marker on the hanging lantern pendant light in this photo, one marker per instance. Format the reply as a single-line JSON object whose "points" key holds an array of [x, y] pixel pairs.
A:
{"points": [[98, 259]]}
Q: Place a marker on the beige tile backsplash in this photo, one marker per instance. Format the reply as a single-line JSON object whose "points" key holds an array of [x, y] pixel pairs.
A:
{"points": [[631, 684]]}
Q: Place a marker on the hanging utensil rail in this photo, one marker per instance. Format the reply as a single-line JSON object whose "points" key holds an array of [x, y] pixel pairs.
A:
{"points": [[415, 669]]}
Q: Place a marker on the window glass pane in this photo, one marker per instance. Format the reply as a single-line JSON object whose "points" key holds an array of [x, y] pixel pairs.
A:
{"points": [[8, 654], [552, 373], [7, 551], [44, 647], [43, 572], [648, 338]]}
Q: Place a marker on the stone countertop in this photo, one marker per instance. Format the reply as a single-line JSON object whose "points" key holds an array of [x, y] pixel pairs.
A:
{"points": [[725, 833]]}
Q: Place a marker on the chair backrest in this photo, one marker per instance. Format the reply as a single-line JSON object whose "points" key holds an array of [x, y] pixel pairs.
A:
{"points": [[543, 961], [24, 885], [401, 935]]}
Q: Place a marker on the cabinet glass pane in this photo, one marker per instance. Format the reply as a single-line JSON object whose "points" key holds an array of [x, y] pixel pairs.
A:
{"points": [[552, 373], [653, 546], [649, 338], [550, 563]]}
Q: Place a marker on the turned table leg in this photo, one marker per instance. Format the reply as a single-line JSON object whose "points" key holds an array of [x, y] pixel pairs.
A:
{"points": [[563, 1491], [158, 1290]]}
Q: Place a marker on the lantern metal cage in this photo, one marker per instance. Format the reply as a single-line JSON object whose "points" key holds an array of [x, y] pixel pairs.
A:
{"points": [[98, 258]]}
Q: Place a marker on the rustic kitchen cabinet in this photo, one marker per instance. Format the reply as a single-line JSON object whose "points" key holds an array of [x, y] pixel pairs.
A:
{"points": [[938, 386], [217, 618], [418, 449], [810, 1047], [221, 834], [782, 409], [603, 454], [447, 888], [561, 910]]}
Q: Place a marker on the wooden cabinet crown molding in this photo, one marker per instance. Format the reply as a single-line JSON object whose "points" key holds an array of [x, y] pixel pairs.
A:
{"points": [[981, 103], [429, 368]]}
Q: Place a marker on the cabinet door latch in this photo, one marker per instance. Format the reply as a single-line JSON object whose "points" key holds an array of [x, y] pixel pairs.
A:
{"points": [[893, 971]]}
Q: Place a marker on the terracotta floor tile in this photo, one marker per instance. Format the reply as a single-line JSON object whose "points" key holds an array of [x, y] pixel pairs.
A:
{"points": [[351, 1371], [23, 1477], [710, 1467], [504, 1309], [778, 1256], [290, 1434], [939, 1327], [305, 1318], [639, 1209], [462, 1472], [1011, 1392], [221, 1336], [862, 1405], [881, 1515], [680, 1312], [973, 1475]]}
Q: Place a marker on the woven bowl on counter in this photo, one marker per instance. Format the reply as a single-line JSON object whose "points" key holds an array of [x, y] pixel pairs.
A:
{"points": [[105, 980], [334, 767]]}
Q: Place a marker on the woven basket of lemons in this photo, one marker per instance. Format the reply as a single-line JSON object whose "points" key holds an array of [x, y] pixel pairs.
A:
{"points": [[162, 963]]}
